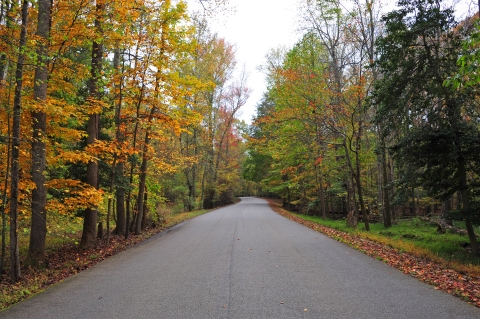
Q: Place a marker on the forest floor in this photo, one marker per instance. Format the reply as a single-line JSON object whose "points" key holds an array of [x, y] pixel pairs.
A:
{"points": [[440, 274], [66, 260]]}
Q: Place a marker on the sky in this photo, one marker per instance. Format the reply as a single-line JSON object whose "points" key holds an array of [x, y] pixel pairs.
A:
{"points": [[255, 27]]}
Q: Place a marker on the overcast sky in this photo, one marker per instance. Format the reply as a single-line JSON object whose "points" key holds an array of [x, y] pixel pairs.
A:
{"points": [[255, 27]]}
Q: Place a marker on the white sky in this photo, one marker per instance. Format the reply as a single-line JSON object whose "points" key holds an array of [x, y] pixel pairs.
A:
{"points": [[255, 27]]}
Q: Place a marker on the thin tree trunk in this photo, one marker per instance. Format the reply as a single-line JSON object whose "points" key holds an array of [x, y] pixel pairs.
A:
{"points": [[5, 18], [144, 167], [386, 195], [4, 202], [141, 185], [36, 250], [356, 175], [15, 273], [89, 236], [119, 168], [466, 207], [121, 224], [132, 167], [322, 196], [413, 209], [145, 211], [110, 200]]}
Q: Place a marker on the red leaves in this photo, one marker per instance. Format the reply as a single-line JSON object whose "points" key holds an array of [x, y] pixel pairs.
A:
{"points": [[464, 286]]}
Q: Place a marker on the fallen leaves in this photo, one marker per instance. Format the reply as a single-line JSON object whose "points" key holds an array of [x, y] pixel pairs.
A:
{"points": [[462, 285]]}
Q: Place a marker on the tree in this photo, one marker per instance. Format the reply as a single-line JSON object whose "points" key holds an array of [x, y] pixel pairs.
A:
{"points": [[347, 38], [15, 168], [36, 250], [435, 127], [89, 232]]}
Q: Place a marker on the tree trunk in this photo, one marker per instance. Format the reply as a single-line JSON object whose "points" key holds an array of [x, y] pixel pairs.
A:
{"points": [[4, 63], [36, 250], [119, 167], [110, 200], [386, 196], [446, 207], [100, 232], [466, 207], [15, 273], [5, 19], [356, 175], [145, 211], [4, 202], [413, 208], [120, 203], [89, 238], [322, 197], [142, 185]]}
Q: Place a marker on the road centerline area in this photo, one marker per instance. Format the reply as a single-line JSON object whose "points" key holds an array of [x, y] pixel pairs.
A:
{"points": [[242, 261]]}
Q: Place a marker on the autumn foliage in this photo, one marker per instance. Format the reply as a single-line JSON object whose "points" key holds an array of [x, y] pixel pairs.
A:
{"points": [[138, 105]]}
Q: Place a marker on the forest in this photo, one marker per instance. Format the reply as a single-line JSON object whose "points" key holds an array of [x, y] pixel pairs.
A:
{"points": [[373, 116], [109, 110], [113, 111]]}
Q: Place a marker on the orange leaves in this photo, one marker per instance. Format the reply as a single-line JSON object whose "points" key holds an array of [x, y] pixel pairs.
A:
{"points": [[95, 106], [72, 195], [70, 156], [107, 150]]}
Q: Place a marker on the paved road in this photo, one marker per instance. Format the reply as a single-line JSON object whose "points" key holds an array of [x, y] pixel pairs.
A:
{"points": [[242, 261]]}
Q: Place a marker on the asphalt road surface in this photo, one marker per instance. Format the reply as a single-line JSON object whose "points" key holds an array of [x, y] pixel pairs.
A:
{"points": [[241, 261]]}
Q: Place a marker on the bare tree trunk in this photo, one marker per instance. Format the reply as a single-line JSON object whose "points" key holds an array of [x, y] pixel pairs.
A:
{"points": [[356, 175], [413, 209], [145, 211], [89, 236], [142, 185], [466, 207], [15, 273], [132, 167], [36, 250], [386, 195], [322, 197], [118, 173], [446, 207], [110, 200], [4, 202], [120, 203], [4, 16]]}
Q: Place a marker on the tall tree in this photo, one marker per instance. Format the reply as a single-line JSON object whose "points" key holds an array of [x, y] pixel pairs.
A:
{"points": [[36, 250], [347, 37], [15, 173], [89, 233], [435, 126]]}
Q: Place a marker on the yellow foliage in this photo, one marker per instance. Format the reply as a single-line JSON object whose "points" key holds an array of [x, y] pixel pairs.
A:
{"points": [[75, 195]]}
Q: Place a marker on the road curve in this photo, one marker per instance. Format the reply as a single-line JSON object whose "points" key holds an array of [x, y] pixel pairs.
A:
{"points": [[241, 261]]}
